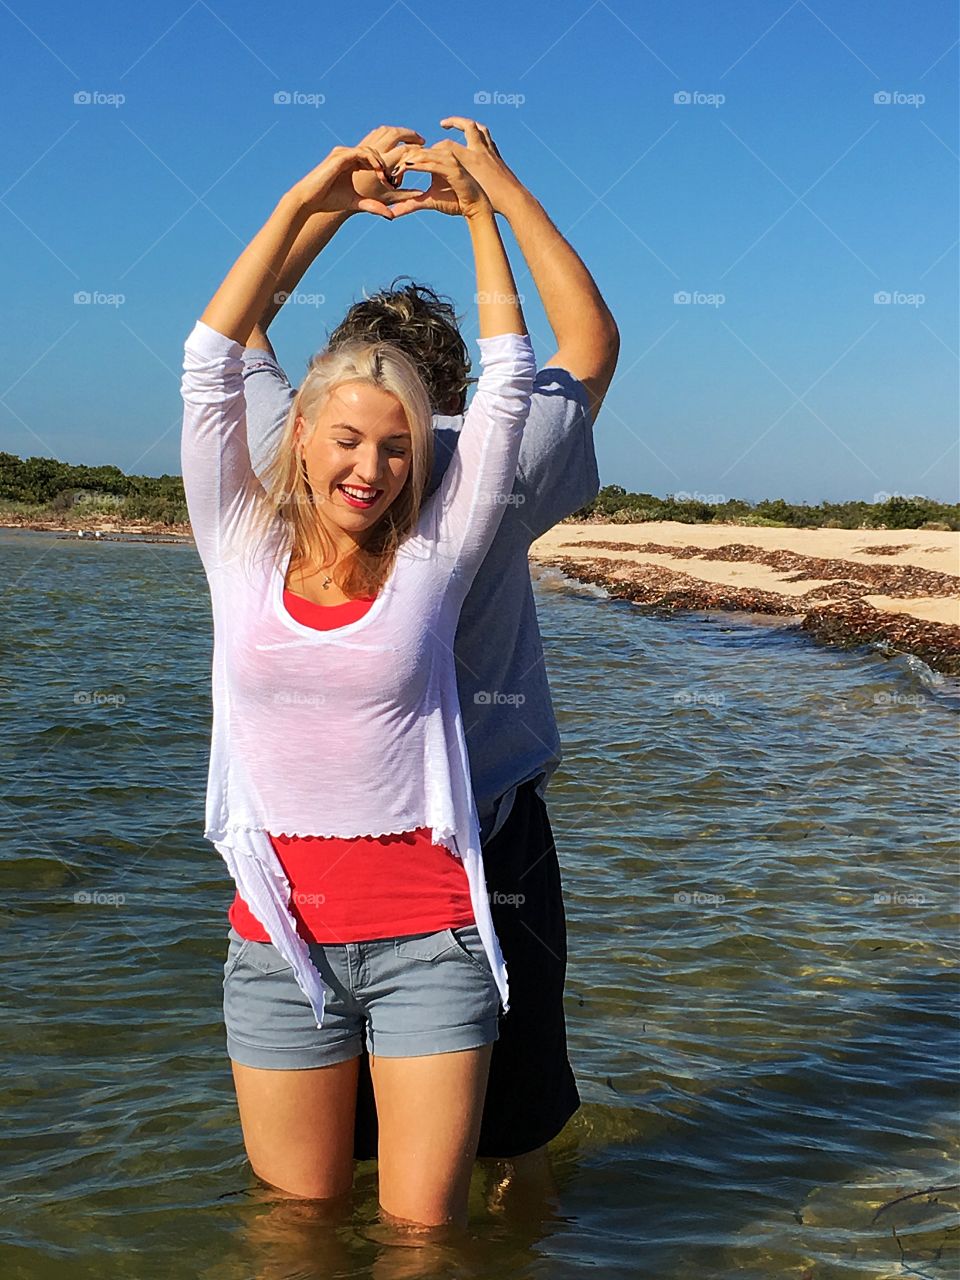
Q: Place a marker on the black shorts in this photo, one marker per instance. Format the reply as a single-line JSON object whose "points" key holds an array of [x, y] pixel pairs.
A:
{"points": [[532, 1092]]}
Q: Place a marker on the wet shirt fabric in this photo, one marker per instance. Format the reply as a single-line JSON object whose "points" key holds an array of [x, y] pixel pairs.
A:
{"points": [[355, 731], [509, 722]]}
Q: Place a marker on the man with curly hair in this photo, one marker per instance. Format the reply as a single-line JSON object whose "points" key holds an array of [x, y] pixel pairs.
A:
{"points": [[511, 732]]}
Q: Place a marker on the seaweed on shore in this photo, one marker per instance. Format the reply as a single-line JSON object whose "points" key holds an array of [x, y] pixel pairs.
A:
{"points": [[845, 622]]}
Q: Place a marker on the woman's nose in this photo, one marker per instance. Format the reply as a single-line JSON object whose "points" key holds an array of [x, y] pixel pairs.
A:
{"points": [[368, 468]]}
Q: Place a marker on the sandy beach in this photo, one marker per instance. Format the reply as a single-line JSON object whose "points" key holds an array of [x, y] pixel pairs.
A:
{"points": [[899, 588]]}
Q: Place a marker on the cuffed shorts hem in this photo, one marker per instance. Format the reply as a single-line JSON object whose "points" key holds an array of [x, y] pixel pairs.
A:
{"points": [[471, 1035], [256, 1055]]}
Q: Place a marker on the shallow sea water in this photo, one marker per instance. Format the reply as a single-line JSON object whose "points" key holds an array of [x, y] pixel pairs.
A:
{"points": [[758, 839]]}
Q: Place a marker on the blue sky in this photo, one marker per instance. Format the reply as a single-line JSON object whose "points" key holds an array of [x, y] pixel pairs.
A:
{"points": [[782, 198]]}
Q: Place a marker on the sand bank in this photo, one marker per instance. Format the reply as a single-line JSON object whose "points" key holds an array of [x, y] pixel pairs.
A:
{"points": [[898, 588]]}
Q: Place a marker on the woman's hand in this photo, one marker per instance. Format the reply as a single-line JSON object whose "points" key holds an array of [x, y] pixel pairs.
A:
{"points": [[452, 189], [390, 141], [329, 188]]}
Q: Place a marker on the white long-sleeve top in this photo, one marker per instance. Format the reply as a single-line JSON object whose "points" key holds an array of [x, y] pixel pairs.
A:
{"points": [[355, 731]]}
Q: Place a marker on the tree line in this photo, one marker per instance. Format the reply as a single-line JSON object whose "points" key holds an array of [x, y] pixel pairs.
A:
{"points": [[48, 486]]}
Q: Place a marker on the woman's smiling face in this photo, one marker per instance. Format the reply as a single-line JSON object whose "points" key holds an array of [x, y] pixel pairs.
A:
{"points": [[358, 457]]}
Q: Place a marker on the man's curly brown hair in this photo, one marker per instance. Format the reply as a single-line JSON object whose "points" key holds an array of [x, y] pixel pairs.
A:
{"points": [[423, 324]]}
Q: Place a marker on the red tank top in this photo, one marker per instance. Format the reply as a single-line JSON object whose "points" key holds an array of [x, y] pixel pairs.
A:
{"points": [[369, 887]]}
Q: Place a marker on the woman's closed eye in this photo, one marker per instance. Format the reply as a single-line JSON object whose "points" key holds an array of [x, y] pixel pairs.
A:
{"points": [[398, 452]]}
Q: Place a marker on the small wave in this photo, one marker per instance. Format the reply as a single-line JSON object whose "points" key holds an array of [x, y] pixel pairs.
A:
{"points": [[552, 579]]}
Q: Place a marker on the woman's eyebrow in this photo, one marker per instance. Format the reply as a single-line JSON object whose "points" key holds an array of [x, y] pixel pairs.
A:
{"points": [[345, 426]]}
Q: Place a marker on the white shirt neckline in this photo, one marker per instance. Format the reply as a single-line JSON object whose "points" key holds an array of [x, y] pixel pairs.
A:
{"points": [[349, 628]]}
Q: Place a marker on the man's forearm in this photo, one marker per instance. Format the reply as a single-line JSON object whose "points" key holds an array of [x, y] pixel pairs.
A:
{"points": [[577, 313], [316, 233]]}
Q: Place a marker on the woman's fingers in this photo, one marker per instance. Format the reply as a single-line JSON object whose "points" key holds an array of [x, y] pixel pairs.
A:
{"points": [[375, 206], [420, 200], [427, 160], [394, 134]]}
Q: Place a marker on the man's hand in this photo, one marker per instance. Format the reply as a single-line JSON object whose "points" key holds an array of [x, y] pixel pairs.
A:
{"points": [[481, 158], [452, 188]]}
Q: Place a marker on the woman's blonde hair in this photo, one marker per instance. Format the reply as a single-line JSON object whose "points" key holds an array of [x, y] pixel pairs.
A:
{"points": [[286, 492]]}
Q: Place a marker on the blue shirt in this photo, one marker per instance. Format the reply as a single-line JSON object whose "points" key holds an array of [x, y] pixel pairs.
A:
{"points": [[509, 724]]}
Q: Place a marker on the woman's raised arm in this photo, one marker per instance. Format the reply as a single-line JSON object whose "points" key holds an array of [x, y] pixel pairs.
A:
{"points": [[243, 297], [461, 517], [215, 461]]}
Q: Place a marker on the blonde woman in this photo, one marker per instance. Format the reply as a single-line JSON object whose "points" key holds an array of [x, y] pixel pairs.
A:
{"points": [[337, 736]]}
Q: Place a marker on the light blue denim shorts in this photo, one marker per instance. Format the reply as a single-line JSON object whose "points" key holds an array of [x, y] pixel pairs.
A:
{"points": [[403, 997]]}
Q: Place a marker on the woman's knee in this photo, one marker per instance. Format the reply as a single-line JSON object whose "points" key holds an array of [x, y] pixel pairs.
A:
{"points": [[298, 1127]]}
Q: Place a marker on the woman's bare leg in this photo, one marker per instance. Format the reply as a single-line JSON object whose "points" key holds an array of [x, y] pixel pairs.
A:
{"points": [[429, 1111], [298, 1126]]}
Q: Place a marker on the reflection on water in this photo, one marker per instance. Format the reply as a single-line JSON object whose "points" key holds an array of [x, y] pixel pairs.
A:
{"points": [[758, 842]]}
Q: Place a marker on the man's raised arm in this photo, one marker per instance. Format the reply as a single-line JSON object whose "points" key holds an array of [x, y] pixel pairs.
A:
{"points": [[588, 341]]}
